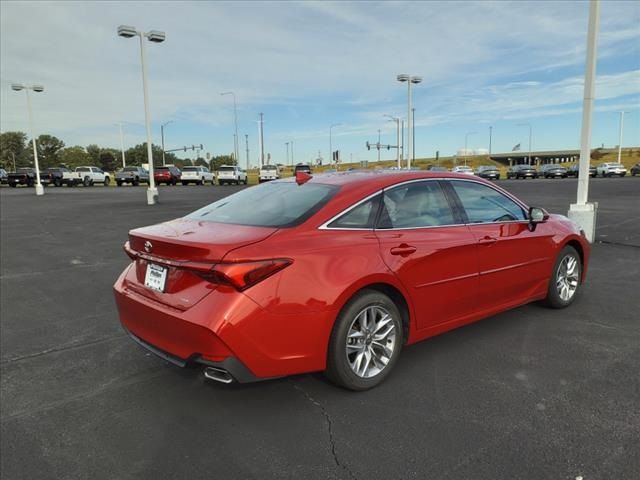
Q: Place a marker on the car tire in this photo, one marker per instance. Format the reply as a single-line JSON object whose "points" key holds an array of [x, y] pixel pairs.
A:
{"points": [[136, 182], [119, 183], [344, 358], [13, 185], [57, 182], [565, 281], [106, 182]]}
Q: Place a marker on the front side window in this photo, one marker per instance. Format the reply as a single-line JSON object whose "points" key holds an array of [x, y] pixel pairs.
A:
{"points": [[415, 205], [362, 216], [483, 204]]}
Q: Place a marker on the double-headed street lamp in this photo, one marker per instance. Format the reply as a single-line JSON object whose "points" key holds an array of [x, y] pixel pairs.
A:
{"points": [[156, 37], [526, 124], [162, 136], [236, 149], [331, 145], [410, 80], [36, 88]]}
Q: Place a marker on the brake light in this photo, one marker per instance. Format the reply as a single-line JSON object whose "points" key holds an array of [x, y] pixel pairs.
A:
{"points": [[131, 253], [242, 275]]}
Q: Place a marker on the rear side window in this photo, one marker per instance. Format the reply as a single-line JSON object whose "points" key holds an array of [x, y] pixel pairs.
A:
{"points": [[415, 205], [362, 216], [268, 205], [227, 169], [483, 204]]}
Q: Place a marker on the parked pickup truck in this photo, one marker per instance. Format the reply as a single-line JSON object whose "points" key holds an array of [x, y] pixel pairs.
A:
{"points": [[22, 176], [269, 172], [95, 174], [59, 176], [132, 175]]}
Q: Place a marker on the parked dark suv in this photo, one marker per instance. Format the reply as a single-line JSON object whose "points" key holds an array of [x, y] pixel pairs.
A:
{"points": [[168, 174], [522, 171], [635, 170]]}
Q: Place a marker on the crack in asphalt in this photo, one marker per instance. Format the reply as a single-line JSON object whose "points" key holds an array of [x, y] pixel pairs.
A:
{"points": [[618, 244], [329, 422], [61, 349]]}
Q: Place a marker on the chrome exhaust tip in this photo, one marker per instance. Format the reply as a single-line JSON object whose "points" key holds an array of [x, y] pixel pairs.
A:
{"points": [[218, 374]]}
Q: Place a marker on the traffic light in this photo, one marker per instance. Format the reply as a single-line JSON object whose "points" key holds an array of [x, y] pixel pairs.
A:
{"points": [[368, 146]]}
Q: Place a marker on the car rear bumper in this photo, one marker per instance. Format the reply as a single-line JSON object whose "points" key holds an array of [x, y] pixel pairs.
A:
{"points": [[227, 330]]}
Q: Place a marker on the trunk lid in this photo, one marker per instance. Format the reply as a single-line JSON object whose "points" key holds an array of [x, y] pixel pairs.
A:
{"points": [[175, 244]]}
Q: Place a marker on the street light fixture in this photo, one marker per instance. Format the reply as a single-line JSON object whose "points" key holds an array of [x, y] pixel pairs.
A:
{"points": [[410, 80], [466, 139], [162, 136], [236, 148], [156, 37], [526, 124], [331, 146], [36, 88]]}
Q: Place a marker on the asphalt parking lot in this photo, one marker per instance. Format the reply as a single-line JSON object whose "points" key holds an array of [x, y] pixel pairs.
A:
{"points": [[529, 394]]}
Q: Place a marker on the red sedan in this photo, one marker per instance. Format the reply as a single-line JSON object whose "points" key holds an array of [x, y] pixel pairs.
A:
{"points": [[338, 272]]}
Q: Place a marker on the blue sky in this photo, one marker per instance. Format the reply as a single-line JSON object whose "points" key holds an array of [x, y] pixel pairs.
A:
{"points": [[307, 65]]}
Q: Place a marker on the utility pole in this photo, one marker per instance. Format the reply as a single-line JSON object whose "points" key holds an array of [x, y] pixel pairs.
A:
{"points": [[413, 133], [124, 163], [246, 140], [287, 159], [401, 142], [378, 144], [292, 160], [490, 133], [261, 139], [620, 138]]}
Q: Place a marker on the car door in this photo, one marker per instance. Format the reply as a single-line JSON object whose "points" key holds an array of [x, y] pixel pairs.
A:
{"points": [[97, 175], [514, 263], [430, 250]]}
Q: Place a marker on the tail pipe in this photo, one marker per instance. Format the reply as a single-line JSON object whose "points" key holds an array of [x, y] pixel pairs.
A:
{"points": [[218, 374]]}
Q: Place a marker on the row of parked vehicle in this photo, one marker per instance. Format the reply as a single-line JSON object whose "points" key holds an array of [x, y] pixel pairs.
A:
{"points": [[551, 170]]}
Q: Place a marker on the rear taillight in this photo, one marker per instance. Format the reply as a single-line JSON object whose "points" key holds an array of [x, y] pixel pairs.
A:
{"points": [[242, 275]]}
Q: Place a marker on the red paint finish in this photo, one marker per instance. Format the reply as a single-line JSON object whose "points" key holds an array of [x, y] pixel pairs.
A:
{"points": [[284, 287]]}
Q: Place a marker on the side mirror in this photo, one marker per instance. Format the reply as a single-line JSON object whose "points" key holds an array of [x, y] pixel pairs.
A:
{"points": [[536, 215]]}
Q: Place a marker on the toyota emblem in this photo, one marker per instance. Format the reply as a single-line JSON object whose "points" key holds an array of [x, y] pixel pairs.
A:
{"points": [[148, 246]]}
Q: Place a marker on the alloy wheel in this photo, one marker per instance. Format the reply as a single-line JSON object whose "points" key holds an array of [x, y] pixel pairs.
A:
{"points": [[371, 340], [568, 277]]}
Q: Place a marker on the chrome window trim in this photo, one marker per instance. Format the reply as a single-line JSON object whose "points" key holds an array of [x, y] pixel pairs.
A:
{"points": [[325, 225]]}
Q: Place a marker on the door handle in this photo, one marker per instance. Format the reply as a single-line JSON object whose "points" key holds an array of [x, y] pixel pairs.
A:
{"points": [[487, 240], [403, 250]]}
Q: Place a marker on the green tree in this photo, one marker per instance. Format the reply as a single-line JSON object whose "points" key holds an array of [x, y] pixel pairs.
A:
{"points": [[13, 147], [49, 148], [215, 162], [108, 159], [74, 157], [138, 155], [94, 152]]}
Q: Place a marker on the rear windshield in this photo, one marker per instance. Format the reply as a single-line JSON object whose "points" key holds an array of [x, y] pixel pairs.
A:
{"points": [[161, 168], [269, 167], [268, 205], [227, 169], [130, 169], [190, 169]]}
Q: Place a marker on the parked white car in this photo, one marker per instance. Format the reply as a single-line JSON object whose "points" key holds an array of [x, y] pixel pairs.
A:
{"points": [[269, 172], [231, 174], [95, 175], [611, 169], [462, 169], [196, 174]]}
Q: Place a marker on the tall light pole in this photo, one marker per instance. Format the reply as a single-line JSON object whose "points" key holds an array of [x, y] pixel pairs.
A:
{"points": [[162, 135], [410, 80], [378, 144], [36, 88], [413, 133], [331, 146], [124, 163], [261, 139], [236, 148], [527, 124], [246, 141], [620, 138], [466, 140], [292, 160], [287, 144], [583, 213], [156, 37], [490, 134], [397, 120]]}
